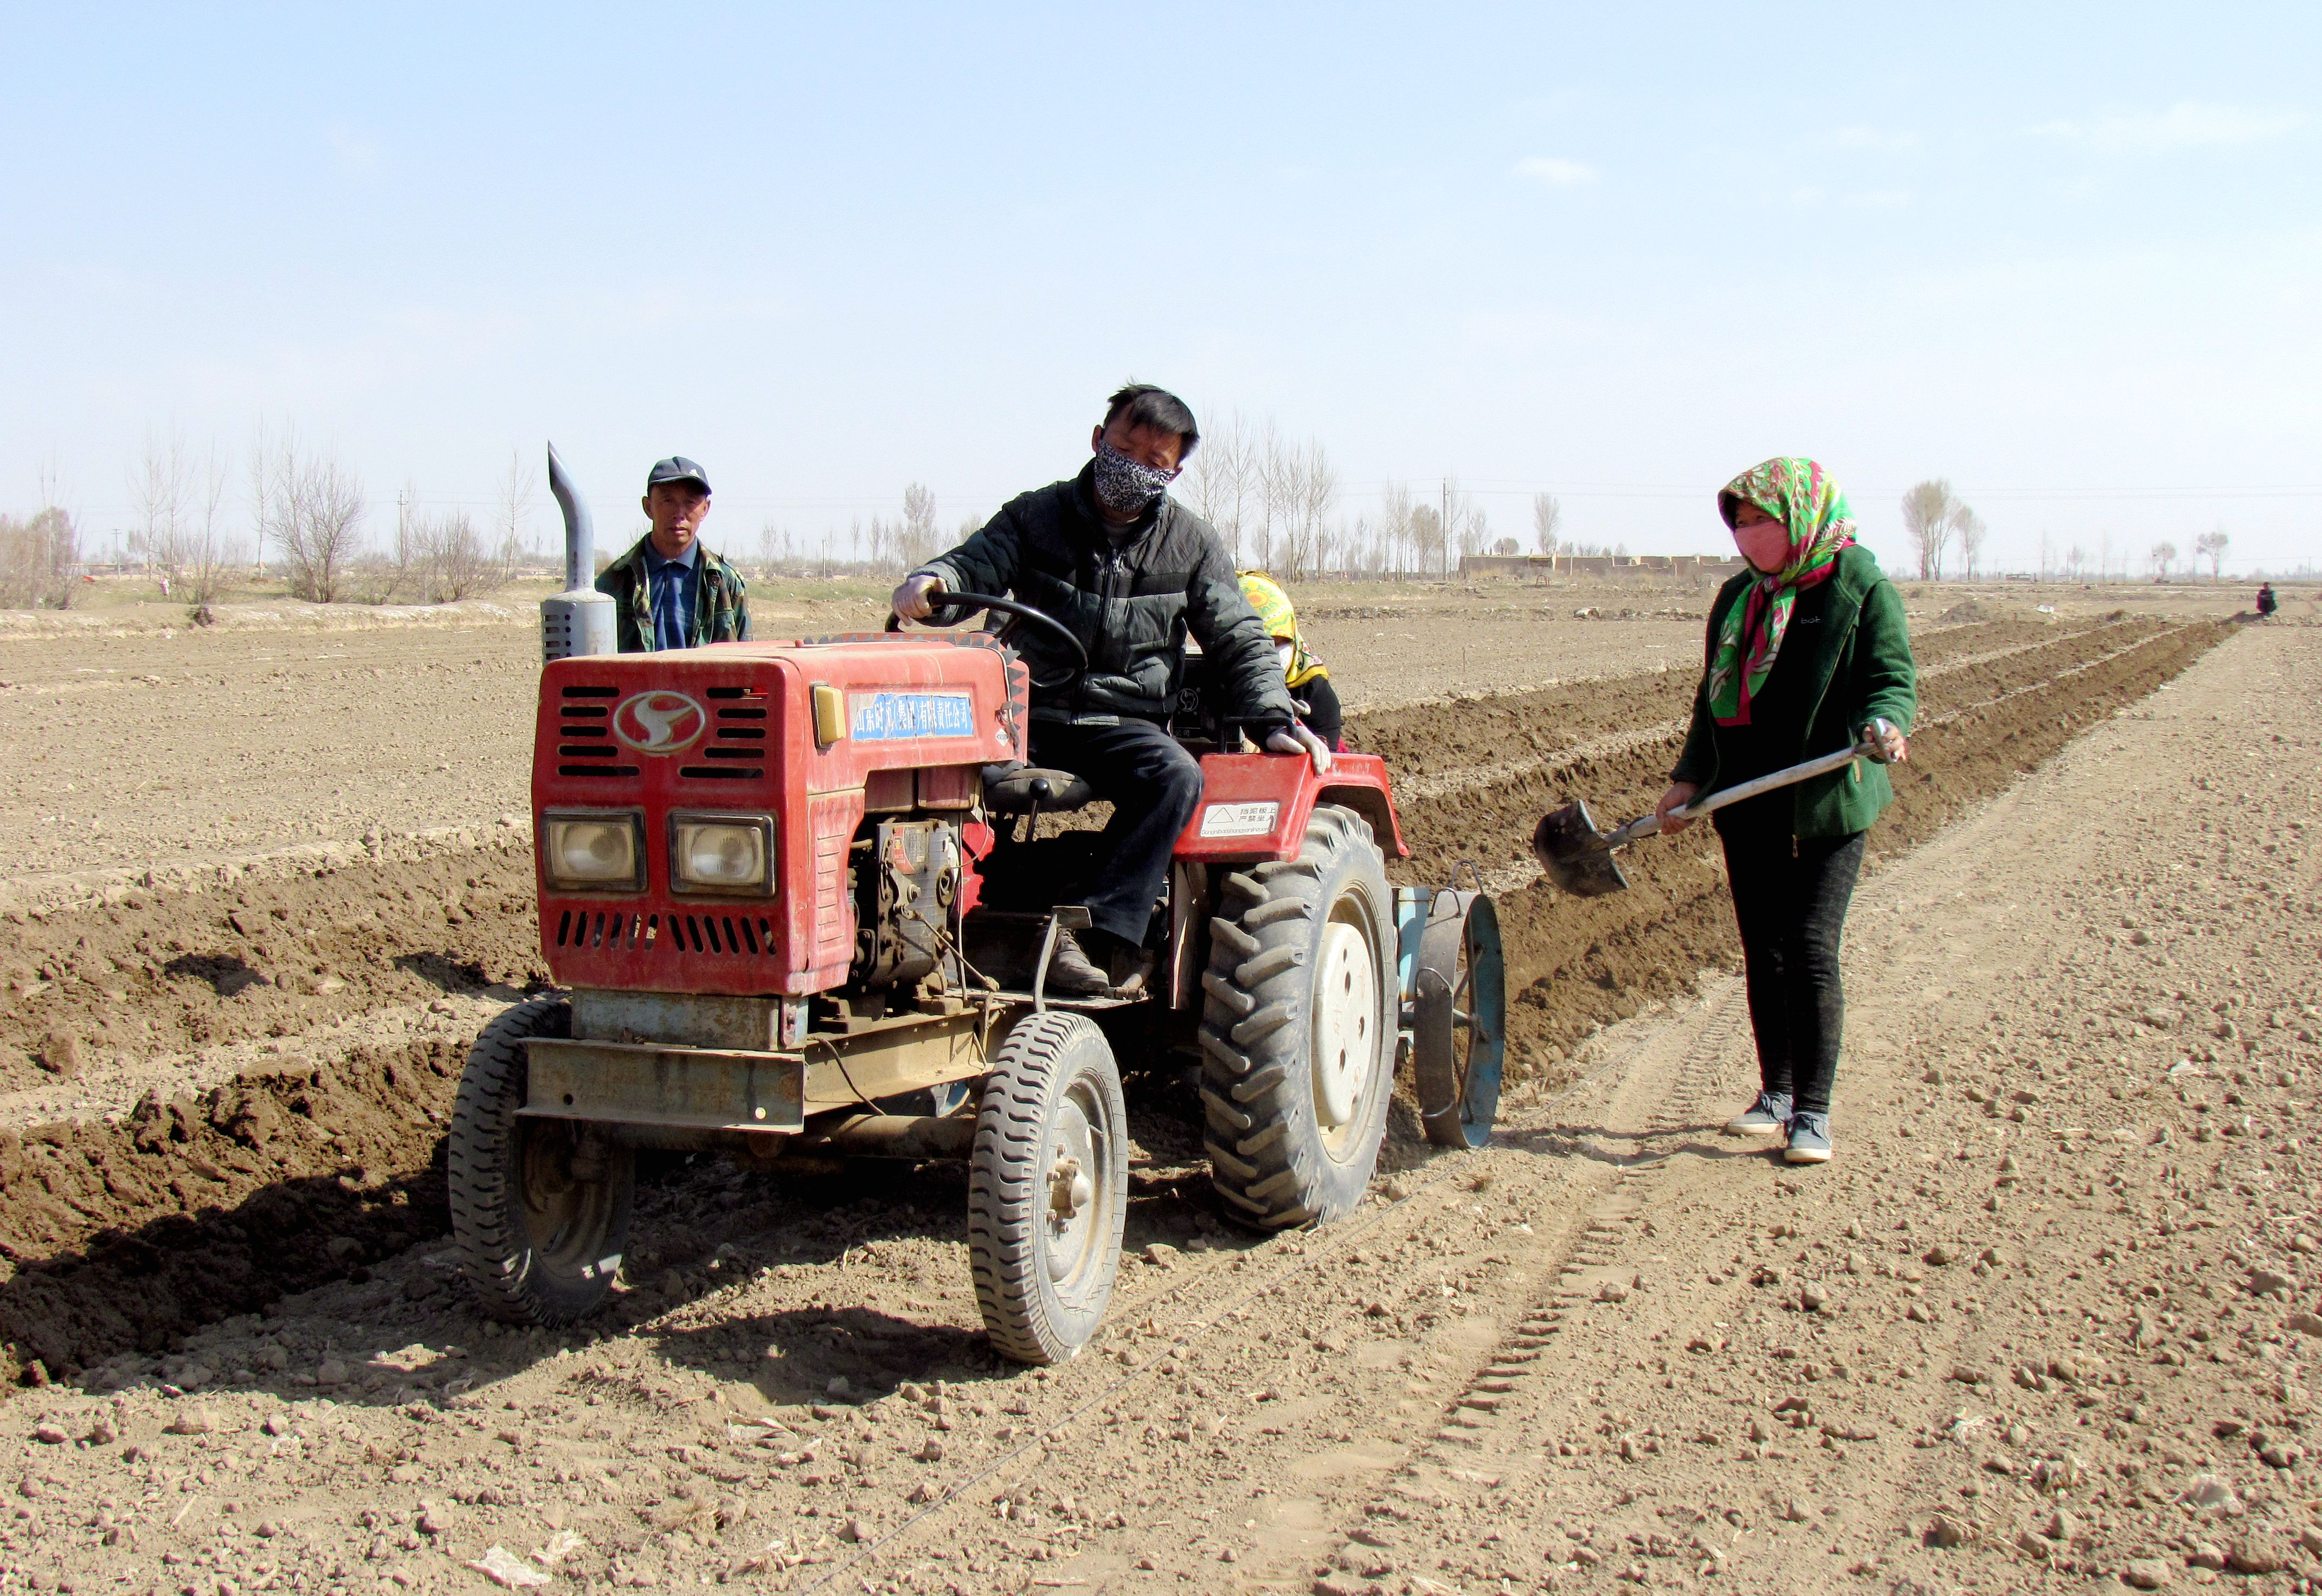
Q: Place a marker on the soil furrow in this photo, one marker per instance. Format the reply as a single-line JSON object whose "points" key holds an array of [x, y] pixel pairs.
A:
{"points": [[305, 1172]]}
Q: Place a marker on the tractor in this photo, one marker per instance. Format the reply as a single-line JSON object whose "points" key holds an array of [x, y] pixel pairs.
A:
{"points": [[798, 904]]}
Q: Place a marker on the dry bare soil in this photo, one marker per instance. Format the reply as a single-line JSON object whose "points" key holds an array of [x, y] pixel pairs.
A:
{"points": [[2045, 1320]]}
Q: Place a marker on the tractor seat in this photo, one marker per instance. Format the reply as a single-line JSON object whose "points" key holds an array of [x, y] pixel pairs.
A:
{"points": [[1019, 789]]}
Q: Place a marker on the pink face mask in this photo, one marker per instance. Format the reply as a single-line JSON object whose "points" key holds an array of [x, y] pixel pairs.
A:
{"points": [[1765, 546]]}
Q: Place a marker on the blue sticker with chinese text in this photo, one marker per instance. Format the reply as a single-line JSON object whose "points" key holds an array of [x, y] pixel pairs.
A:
{"points": [[894, 718]]}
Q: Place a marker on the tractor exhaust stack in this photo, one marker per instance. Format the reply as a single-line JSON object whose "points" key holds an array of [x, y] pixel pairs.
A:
{"points": [[579, 620]]}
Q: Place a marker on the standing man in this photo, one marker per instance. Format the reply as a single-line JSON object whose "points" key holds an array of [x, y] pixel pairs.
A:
{"points": [[671, 592], [1129, 571]]}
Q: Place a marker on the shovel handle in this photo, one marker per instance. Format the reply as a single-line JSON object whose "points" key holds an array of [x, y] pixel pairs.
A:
{"points": [[1650, 824]]}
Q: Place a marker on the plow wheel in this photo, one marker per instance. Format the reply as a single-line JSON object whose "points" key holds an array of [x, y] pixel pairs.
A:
{"points": [[539, 1208], [1460, 1020], [1048, 1188], [1298, 1027]]}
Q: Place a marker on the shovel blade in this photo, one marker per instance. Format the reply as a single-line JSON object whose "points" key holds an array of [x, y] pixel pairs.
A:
{"points": [[1572, 852]]}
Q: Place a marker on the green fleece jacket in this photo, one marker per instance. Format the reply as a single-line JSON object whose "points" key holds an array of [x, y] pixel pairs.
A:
{"points": [[1861, 669]]}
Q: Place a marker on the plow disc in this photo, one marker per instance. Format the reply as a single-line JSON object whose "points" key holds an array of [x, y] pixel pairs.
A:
{"points": [[1459, 1018]]}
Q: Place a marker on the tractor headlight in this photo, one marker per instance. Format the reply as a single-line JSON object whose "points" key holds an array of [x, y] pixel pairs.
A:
{"points": [[600, 852], [722, 854]]}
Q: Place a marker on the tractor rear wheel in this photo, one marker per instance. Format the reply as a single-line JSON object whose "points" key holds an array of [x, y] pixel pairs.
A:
{"points": [[1047, 1188], [1298, 1027], [540, 1207]]}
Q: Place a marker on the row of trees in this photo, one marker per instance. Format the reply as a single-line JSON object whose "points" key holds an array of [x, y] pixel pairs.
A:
{"points": [[307, 509], [1935, 519], [1274, 499]]}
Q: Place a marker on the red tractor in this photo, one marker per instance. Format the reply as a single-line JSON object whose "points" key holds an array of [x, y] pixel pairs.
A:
{"points": [[795, 897]]}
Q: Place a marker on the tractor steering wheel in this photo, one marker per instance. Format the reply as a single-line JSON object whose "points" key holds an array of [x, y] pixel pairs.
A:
{"points": [[958, 606]]}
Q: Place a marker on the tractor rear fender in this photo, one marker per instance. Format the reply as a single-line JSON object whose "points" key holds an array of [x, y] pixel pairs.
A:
{"points": [[1255, 806]]}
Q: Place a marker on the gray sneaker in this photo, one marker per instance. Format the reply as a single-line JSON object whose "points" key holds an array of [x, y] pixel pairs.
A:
{"points": [[1768, 1116], [1809, 1138]]}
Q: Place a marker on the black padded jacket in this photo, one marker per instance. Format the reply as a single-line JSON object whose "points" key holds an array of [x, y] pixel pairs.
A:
{"points": [[1130, 605]]}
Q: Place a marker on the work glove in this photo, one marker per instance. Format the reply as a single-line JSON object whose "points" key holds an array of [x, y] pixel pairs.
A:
{"points": [[1297, 739], [917, 597]]}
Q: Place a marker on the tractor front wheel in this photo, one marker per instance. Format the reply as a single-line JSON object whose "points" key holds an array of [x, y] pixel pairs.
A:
{"points": [[540, 1207], [1298, 1029], [1048, 1187]]}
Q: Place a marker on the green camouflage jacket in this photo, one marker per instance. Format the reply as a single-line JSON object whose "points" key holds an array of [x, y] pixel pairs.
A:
{"points": [[721, 606]]}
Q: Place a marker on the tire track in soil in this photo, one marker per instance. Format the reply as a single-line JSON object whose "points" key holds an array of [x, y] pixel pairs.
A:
{"points": [[1474, 1451], [1558, 1199], [295, 1177]]}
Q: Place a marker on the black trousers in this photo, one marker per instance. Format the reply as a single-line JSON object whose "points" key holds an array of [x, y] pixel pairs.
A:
{"points": [[1154, 786], [1789, 900]]}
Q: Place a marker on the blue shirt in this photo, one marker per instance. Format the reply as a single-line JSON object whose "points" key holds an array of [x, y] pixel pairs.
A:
{"points": [[671, 585]]}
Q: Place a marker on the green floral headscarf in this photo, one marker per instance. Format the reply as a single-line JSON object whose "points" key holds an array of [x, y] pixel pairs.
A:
{"points": [[1799, 494]]}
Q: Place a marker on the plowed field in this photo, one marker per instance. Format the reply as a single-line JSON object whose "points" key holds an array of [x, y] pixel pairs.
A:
{"points": [[221, 1208]]}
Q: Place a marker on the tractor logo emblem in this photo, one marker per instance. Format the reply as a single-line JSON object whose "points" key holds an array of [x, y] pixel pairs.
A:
{"points": [[659, 722]]}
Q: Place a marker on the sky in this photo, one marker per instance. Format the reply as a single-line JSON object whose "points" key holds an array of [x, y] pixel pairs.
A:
{"points": [[2068, 257]]}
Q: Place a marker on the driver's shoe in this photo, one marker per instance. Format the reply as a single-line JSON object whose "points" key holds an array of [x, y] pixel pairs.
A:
{"points": [[1072, 973]]}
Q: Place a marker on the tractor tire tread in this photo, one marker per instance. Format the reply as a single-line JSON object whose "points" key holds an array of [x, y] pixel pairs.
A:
{"points": [[1224, 1115], [1269, 1160], [1005, 1210]]}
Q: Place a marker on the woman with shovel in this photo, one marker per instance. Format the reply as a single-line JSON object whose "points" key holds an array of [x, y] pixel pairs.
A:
{"points": [[1807, 654]]}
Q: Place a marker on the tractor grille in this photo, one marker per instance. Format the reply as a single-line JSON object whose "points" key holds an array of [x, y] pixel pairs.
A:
{"points": [[584, 731], [738, 745], [619, 931]]}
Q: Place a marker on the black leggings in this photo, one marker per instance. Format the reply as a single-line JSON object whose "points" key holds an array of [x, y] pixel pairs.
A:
{"points": [[1789, 900]]}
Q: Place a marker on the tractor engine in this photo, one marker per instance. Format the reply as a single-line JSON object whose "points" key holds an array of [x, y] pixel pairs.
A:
{"points": [[907, 877]]}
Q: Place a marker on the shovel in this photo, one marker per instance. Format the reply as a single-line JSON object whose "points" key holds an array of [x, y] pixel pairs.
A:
{"points": [[1578, 858]]}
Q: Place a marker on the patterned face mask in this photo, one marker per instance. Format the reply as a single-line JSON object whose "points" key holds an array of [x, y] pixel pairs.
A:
{"points": [[1127, 487]]}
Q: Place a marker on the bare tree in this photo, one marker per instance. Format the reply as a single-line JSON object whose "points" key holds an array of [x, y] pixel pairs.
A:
{"points": [[1474, 530], [2211, 546], [316, 510], [1221, 481], [775, 549], [1971, 531], [1394, 525], [1927, 510], [2075, 559], [2047, 554], [261, 492], [514, 510], [160, 487], [212, 554], [1275, 469], [1460, 525], [1427, 536], [2103, 558], [1301, 486], [917, 538], [2164, 555], [37, 558], [1547, 519], [457, 563]]}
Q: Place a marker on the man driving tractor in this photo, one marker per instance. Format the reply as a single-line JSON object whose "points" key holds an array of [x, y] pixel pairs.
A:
{"points": [[1131, 572]]}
